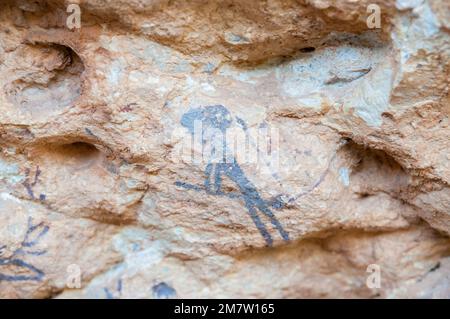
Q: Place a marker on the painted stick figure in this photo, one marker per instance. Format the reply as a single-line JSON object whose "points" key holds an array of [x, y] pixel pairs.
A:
{"points": [[217, 117], [26, 271]]}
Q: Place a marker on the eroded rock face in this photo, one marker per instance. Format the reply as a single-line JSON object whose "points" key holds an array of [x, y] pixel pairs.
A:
{"points": [[97, 189]]}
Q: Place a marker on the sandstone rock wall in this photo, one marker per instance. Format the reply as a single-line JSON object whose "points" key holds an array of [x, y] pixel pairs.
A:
{"points": [[94, 189]]}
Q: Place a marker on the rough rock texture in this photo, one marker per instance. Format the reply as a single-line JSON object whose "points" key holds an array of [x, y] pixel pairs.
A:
{"points": [[92, 121]]}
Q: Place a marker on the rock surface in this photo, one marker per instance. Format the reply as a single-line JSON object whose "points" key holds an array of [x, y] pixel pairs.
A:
{"points": [[97, 197]]}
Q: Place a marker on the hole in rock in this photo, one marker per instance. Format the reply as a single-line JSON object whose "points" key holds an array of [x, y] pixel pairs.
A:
{"points": [[307, 49], [47, 78], [79, 179], [77, 154], [376, 171]]}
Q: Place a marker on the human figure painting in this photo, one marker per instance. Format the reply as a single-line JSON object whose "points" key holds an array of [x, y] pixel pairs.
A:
{"points": [[218, 118]]}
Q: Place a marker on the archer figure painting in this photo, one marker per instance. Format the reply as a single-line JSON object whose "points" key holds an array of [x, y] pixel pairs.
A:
{"points": [[218, 118], [16, 267]]}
